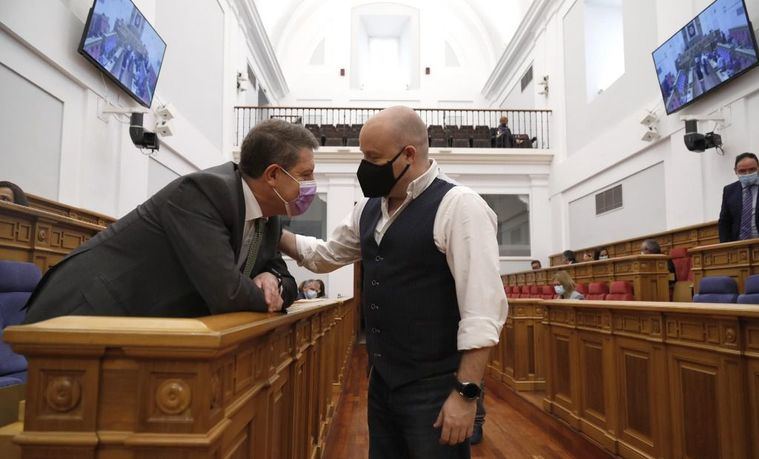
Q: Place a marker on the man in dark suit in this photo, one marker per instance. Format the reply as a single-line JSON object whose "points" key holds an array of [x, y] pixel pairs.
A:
{"points": [[738, 219], [204, 244]]}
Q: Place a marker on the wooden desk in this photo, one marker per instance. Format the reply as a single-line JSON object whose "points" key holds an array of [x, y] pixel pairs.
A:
{"points": [[38, 236], [738, 260], [655, 379], [647, 273], [688, 236], [234, 386]]}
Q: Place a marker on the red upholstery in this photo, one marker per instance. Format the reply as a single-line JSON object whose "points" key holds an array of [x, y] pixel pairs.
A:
{"points": [[582, 288], [682, 262], [597, 291], [525, 289], [620, 291], [534, 291], [547, 292]]}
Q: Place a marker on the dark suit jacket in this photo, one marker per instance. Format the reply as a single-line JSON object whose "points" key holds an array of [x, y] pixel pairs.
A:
{"points": [[730, 214], [173, 256]]}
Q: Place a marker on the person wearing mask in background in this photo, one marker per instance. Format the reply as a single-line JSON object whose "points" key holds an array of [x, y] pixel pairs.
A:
{"points": [[603, 254], [569, 257], [535, 265], [204, 244], [738, 219], [10, 192], [433, 298], [565, 287], [587, 256], [503, 137], [306, 290]]}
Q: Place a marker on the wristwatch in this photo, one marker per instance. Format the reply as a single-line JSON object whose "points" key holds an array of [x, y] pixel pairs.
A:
{"points": [[468, 390]]}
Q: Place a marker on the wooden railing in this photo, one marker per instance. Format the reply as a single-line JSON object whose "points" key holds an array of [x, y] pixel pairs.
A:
{"points": [[642, 379], [689, 236], [533, 123], [242, 385], [43, 237], [647, 273]]}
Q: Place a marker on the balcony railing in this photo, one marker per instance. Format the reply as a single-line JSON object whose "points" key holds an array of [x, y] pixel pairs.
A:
{"points": [[532, 127]]}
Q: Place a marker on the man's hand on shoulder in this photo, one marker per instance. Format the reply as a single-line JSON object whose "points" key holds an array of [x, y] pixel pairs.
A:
{"points": [[269, 284]]}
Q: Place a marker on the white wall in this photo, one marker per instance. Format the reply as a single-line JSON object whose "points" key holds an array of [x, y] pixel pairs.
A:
{"points": [[597, 143], [99, 168], [333, 21]]}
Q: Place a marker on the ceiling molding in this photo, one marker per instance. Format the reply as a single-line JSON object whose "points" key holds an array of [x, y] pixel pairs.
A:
{"points": [[260, 46], [519, 47]]}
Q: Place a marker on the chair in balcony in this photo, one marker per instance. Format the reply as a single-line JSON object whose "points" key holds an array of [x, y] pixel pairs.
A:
{"points": [[547, 292], [582, 288], [620, 291], [333, 142], [17, 281], [481, 143], [438, 142], [597, 291], [717, 289], [751, 291], [460, 143]]}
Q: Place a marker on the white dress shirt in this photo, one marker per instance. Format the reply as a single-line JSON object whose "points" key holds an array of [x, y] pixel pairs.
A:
{"points": [[252, 212], [464, 230]]}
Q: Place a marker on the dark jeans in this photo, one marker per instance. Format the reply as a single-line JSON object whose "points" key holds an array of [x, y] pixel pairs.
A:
{"points": [[400, 420]]}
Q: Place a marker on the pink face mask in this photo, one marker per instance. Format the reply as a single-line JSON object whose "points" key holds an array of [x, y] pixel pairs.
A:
{"points": [[305, 196]]}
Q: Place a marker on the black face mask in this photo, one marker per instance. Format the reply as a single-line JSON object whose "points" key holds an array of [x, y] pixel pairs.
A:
{"points": [[377, 181]]}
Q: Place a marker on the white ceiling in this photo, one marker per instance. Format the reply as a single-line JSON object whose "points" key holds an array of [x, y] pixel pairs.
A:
{"points": [[496, 19]]}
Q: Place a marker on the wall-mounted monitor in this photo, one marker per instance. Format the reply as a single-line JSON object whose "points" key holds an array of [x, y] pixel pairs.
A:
{"points": [[714, 48], [119, 41]]}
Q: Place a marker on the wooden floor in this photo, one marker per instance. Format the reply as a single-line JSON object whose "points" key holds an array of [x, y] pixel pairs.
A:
{"points": [[514, 428]]}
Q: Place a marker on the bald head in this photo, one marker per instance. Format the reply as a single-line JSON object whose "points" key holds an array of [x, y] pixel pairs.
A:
{"points": [[401, 125]]}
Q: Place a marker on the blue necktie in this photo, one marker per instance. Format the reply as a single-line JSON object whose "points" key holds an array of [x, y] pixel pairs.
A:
{"points": [[747, 212]]}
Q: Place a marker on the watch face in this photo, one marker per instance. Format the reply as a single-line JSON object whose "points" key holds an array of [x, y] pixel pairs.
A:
{"points": [[470, 390]]}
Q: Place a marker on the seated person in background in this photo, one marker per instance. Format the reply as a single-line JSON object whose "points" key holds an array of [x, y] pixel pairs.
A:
{"points": [[569, 257], [603, 254], [535, 265], [205, 244], [565, 286], [587, 256], [651, 247], [319, 284], [503, 137], [302, 289], [11, 192], [735, 224]]}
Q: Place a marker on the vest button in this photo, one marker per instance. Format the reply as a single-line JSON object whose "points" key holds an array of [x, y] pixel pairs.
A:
{"points": [[378, 258], [377, 355], [373, 307], [374, 283], [376, 330]]}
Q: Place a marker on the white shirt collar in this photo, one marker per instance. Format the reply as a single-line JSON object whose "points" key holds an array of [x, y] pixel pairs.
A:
{"points": [[252, 208], [421, 183]]}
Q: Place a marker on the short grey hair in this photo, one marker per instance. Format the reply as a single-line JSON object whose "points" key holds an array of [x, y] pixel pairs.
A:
{"points": [[273, 142], [651, 246]]}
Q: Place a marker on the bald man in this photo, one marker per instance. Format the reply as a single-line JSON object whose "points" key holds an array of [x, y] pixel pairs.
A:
{"points": [[432, 297]]}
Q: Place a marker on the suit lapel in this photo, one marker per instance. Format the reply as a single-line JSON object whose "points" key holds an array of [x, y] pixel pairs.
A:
{"points": [[239, 224]]}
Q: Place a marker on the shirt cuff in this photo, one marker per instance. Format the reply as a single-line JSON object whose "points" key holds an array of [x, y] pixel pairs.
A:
{"points": [[478, 332]]}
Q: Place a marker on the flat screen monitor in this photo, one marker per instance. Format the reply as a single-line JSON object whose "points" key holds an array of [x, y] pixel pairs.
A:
{"points": [[715, 47], [120, 42]]}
